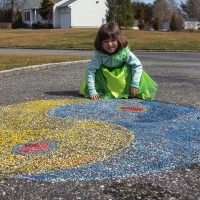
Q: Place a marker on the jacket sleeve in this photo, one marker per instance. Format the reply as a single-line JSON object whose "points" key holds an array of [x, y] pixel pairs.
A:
{"points": [[136, 68], [94, 64]]}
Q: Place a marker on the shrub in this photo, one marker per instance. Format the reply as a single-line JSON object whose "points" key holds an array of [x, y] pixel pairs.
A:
{"points": [[141, 24], [173, 24], [156, 23], [18, 22], [42, 26]]}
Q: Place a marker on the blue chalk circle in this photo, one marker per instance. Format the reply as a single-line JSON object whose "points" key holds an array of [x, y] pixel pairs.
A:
{"points": [[166, 136]]}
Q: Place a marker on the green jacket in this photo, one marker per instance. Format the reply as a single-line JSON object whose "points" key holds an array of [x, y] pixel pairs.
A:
{"points": [[113, 61]]}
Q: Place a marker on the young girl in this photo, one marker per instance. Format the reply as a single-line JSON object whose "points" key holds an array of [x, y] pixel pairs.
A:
{"points": [[114, 71]]}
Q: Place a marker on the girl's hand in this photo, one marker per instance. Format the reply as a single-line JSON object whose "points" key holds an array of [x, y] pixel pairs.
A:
{"points": [[94, 96], [134, 91]]}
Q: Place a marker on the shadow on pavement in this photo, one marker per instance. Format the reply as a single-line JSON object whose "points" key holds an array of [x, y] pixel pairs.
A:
{"points": [[64, 93]]}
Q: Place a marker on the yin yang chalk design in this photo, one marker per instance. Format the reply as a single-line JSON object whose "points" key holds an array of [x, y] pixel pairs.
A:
{"points": [[82, 140]]}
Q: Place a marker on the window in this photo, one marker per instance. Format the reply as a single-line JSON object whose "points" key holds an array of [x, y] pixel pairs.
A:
{"points": [[27, 16]]}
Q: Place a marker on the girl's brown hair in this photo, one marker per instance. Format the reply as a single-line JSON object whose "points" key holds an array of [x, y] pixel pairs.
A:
{"points": [[107, 31]]}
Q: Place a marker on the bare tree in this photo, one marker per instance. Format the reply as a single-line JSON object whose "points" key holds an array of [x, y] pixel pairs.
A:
{"points": [[179, 20], [13, 5], [3, 4], [196, 4], [172, 6], [173, 10], [161, 10]]}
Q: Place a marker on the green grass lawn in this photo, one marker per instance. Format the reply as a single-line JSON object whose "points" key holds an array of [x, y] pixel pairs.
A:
{"points": [[10, 61], [84, 39]]}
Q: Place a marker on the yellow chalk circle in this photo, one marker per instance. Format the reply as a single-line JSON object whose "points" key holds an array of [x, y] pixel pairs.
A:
{"points": [[77, 142]]}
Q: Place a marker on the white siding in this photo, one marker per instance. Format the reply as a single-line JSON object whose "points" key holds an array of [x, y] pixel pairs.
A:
{"points": [[34, 16], [26, 6], [192, 25], [88, 13], [57, 18]]}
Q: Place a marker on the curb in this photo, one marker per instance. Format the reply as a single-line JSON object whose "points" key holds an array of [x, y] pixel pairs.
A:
{"points": [[23, 70], [164, 51], [48, 48], [90, 49]]}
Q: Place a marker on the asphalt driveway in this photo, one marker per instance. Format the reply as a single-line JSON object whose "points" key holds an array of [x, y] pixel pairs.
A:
{"points": [[178, 77]]}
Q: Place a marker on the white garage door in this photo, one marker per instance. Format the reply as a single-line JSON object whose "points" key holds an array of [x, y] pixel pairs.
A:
{"points": [[65, 20]]}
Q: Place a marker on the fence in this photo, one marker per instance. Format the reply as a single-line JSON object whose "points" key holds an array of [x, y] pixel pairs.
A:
{"points": [[5, 25]]}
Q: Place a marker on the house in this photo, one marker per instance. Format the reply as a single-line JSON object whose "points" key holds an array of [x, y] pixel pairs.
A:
{"points": [[30, 13], [165, 25], [188, 23], [68, 13], [191, 23]]}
